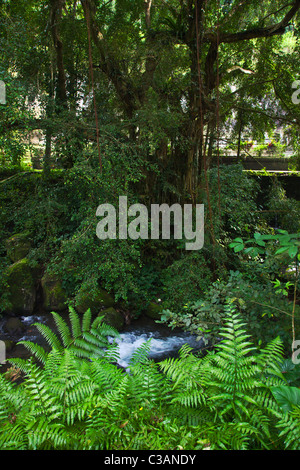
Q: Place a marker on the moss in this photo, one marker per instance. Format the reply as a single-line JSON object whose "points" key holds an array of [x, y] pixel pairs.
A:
{"points": [[95, 300], [18, 246], [54, 296], [153, 311], [113, 318], [21, 279]]}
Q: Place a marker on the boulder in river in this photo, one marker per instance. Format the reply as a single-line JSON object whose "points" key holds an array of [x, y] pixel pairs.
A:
{"points": [[153, 311], [113, 318], [93, 299], [13, 325]]}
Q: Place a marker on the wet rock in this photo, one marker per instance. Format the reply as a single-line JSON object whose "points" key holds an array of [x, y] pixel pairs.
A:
{"points": [[94, 300], [21, 352], [113, 318], [153, 311], [21, 279], [54, 296], [18, 246], [9, 345], [14, 326]]}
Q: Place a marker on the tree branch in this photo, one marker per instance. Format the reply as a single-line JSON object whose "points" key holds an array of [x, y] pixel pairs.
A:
{"points": [[55, 18], [130, 94], [268, 31]]}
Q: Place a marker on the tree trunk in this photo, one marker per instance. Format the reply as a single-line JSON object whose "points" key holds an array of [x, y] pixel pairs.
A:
{"points": [[49, 115], [55, 18], [241, 126]]}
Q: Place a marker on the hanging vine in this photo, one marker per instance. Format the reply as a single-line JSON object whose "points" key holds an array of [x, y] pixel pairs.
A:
{"points": [[87, 15], [218, 106], [201, 92]]}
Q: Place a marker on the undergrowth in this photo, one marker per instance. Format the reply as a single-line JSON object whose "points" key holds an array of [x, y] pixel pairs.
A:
{"points": [[69, 399]]}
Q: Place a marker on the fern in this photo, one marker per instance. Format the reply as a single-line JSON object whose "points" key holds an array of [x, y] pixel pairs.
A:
{"points": [[229, 387], [223, 400], [86, 339], [289, 427]]}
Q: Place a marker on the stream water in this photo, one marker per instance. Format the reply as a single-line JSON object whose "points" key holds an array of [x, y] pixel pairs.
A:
{"points": [[165, 342]]}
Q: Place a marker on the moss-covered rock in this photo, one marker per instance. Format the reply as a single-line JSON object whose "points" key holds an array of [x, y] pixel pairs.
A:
{"points": [[93, 299], [21, 279], [13, 325], [54, 296], [18, 246], [153, 311], [113, 318]]}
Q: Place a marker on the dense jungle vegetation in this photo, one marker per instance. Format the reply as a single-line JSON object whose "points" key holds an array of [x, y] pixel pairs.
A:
{"points": [[144, 99]]}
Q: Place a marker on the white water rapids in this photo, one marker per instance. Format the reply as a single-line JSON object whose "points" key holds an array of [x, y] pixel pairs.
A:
{"points": [[165, 342]]}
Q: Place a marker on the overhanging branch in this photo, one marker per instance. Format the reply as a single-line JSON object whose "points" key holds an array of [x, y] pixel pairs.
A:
{"points": [[278, 28]]}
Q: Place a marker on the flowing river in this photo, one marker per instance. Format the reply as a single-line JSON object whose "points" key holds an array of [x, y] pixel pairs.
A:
{"points": [[165, 342]]}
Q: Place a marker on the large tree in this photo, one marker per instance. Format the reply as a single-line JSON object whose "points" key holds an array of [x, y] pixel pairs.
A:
{"points": [[210, 37], [168, 75]]}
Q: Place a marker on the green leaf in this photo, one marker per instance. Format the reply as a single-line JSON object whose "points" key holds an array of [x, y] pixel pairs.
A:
{"points": [[287, 397], [281, 250], [238, 248], [293, 251]]}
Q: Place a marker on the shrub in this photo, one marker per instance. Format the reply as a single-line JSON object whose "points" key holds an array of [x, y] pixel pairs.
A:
{"points": [[185, 279], [265, 312]]}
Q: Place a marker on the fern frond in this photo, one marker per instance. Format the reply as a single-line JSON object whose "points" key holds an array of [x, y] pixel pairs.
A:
{"points": [[75, 322], [106, 375], [51, 338], [101, 329], [21, 364], [231, 436], [270, 359], [147, 385], [52, 363], [86, 320], [36, 350], [63, 329], [95, 339], [38, 390], [14, 438], [112, 353], [87, 350], [87, 341], [141, 354], [46, 435], [290, 429]]}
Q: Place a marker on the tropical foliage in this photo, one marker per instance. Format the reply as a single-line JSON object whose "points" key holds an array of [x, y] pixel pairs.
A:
{"points": [[161, 102], [234, 398]]}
